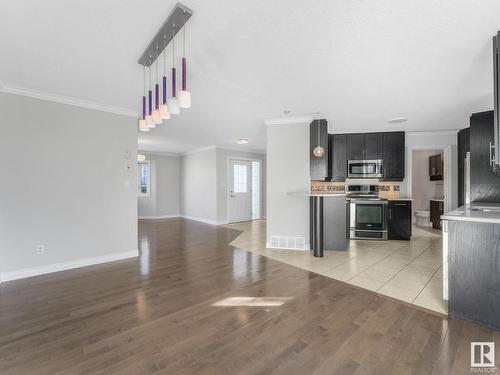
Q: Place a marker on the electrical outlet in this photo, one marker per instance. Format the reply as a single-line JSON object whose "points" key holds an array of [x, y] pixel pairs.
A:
{"points": [[40, 249]]}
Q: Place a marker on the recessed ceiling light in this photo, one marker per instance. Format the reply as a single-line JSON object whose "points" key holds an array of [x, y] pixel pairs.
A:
{"points": [[397, 120], [242, 141]]}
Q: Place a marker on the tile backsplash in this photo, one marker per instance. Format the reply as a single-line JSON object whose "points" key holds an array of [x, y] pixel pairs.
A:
{"points": [[388, 190]]}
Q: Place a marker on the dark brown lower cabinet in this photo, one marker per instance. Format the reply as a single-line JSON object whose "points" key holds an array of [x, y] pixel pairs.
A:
{"points": [[399, 227], [437, 210]]}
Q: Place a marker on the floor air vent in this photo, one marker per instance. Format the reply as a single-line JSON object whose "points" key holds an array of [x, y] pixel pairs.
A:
{"points": [[280, 242]]}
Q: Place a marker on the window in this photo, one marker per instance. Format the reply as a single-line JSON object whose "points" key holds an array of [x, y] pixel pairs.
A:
{"points": [[240, 178], [143, 180], [256, 190]]}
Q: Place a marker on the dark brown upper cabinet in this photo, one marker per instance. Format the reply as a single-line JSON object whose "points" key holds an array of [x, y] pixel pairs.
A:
{"points": [[394, 156], [355, 146], [436, 167], [374, 146], [339, 157], [319, 166], [365, 146]]}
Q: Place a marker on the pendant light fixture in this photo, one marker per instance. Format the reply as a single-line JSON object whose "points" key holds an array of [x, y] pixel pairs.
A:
{"points": [[142, 122], [149, 119], [156, 112], [319, 151], [184, 95], [173, 104], [164, 113], [157, 105]]}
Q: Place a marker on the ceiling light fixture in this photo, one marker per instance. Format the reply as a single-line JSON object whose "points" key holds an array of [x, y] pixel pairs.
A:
{"points": [[242, 141], [149, 119], [173, 104], [397, 120], [184, 95], [142, 122], [163, 110], [318, 150], [156, 113], [164, 113]]}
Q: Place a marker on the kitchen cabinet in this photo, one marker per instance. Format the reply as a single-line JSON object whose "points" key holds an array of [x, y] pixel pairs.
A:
{"points": [[339, 157], [437, 209], [319, 167], [374, 143], [463, 142], [355, 146], [484, 183], [394, 156], [365, 146], [436, 167], [399, 226]]}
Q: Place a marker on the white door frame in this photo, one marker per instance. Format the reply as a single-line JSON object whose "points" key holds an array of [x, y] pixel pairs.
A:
{"points": [[228, 182], [448, 164]]}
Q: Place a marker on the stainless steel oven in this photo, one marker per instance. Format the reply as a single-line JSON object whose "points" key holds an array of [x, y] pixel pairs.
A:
{"points": [[368, 218], [364, 169]]}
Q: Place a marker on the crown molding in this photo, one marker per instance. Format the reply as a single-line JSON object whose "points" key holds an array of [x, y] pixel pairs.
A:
{"points": [[62, 99], [289, 120], [159, 153], [249, 150]]}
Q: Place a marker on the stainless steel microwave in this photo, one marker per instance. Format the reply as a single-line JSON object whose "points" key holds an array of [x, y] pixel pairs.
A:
{"points": [[364, 169]]}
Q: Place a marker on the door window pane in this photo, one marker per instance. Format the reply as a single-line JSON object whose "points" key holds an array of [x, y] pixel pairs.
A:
{"points": [[240, 178]]}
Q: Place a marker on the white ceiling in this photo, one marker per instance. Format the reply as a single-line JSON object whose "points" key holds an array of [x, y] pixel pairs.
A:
{"points": [[358, 62]]}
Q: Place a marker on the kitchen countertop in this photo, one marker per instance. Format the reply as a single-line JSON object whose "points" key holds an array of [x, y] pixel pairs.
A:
{"points": [[309, 194], [400, 199], [480, 212]]}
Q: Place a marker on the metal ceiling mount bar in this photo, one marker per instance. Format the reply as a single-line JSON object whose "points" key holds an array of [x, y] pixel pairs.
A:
{"points": [[175, 21]]}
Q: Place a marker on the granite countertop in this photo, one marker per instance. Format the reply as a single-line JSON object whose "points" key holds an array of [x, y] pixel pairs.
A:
{"points": [[400, 199], [309, 194], [481, 212]]}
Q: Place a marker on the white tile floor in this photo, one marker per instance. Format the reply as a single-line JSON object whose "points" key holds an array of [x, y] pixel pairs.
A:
{"points": [[410, 271]]}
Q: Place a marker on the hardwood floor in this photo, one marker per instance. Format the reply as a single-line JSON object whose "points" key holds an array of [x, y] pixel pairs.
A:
{"points": [[155, 314]]}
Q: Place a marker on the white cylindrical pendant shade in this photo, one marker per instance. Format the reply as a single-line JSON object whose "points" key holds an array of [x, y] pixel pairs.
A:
{"points": [[142, 126], [156, 117], [173, 106], [164, 113], [184, 98], [149, 122]]}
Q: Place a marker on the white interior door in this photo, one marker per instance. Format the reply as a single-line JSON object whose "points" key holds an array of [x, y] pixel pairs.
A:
{"points": [[240, 190]]}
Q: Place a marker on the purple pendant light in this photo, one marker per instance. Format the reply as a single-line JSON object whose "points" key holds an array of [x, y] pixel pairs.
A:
{"points": [[142, 122], [149, 119], [184, 95], [156, 112], [173, 104], [164, 113]]}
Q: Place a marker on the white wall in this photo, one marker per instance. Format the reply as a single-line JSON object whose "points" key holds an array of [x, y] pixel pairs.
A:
{"points": [[223, 155], [69, 183], [165, 197], [287, 170], [423, 189], [198, 186]]}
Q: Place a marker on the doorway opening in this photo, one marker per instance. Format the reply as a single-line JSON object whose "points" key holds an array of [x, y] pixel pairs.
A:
{"points": [[428, 187], [245, 190]]}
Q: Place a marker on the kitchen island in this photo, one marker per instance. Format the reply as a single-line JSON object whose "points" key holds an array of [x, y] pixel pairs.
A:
{"points": [[471, 262], [328, 221]]}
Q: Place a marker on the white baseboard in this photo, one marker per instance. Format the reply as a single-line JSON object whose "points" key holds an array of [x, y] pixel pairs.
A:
{"points": [[158, 217], [35, 271], [194, 218], [203, 220]]}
